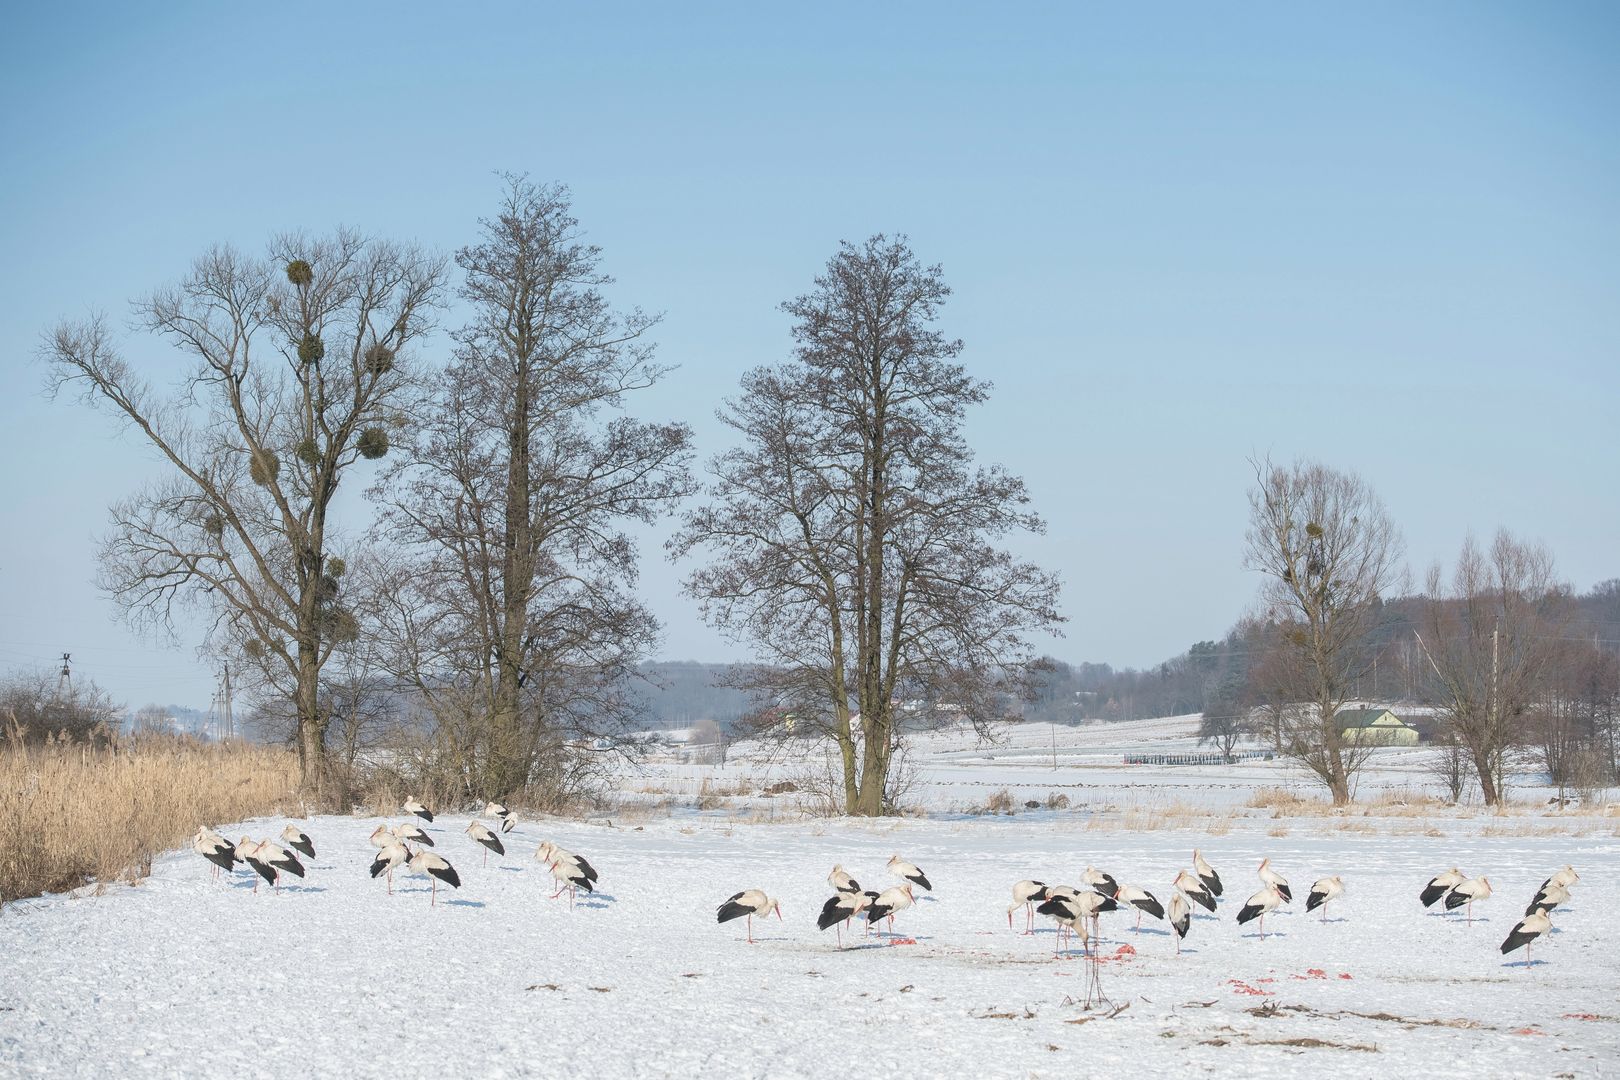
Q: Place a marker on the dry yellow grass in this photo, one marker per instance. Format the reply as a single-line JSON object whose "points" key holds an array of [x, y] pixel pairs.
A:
{"points": [[71, 814]]}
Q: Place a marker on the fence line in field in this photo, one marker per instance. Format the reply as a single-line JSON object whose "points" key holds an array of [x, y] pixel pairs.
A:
{"points": [[1197, 759]]}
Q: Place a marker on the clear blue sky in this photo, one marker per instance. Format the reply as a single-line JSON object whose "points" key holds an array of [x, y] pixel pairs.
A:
{"points": [[1386, 236]]}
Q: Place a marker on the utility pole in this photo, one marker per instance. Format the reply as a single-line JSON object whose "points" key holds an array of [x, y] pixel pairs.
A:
{"points": [[226, 719], [1054, 746], [64, 681], [1496, 734]]}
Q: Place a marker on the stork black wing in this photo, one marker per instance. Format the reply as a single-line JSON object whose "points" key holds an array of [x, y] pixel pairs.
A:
{"points": [[833, 911], [732, 910], [1517, 938]]}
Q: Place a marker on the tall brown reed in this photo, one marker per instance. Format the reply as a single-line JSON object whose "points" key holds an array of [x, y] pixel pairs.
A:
{"points": [[72, 813]]}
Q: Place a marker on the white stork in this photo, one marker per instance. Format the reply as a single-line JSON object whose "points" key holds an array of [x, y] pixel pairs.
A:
{"points": [[268, 861], [1025, 895], [391, 855], [902, 869], [482, 835], [411, 806], [1525, 931], [1548, 897], [1328, 888], [1565, 877], [1441, 884], [749, 902], [1141, 900], [382, 836], [1275, 881], [1180, 914], [495, 809], [840, 880], [842, 907], [298, 841], [1093, 878], [1260, 905], [409, 833], [1196, 891], [1206, 874], [216, 849], [887, 904], [436, 867], [1466, 892]]}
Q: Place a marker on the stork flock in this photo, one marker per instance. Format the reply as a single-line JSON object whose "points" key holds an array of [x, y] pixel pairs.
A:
{"points": [[394, 850], [1076, 909]]}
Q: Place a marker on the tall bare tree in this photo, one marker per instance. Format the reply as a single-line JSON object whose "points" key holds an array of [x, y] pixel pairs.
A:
{"points": [[1328, 551], [853, 540], [1491, 634], [294, 363], [522, 630]]}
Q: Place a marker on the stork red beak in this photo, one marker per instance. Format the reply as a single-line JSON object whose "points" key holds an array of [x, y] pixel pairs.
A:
{"points": [[779, 913]]}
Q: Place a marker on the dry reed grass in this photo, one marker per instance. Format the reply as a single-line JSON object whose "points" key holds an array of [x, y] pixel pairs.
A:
{"points": [[75, 813]]}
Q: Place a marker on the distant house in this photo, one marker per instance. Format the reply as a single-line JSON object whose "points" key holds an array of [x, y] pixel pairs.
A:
{"points": [[1375, 726]]}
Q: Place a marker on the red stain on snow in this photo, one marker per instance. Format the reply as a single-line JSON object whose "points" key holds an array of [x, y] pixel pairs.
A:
{"points": [[1240, 987], [1529, 1031], [903, 941], [1344, 974], [1582, 1016]]}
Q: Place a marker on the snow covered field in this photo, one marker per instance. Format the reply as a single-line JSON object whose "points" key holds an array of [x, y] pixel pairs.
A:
{"points": [[186, 976]]}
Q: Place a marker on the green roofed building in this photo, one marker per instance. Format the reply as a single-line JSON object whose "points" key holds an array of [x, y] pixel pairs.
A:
{"points": [[1379, 726]]}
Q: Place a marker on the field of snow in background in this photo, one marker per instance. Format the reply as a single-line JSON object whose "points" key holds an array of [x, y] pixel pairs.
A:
{"points": [[182, 975]]}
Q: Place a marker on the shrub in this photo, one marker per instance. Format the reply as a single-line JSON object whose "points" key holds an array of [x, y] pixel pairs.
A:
{"points": [[300, 273], [373, 443]]}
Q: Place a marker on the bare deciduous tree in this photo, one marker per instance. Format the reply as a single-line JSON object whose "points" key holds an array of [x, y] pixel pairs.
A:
{"points": [[1328, 551], [293, 365], [1490, 636], [521, 633], [853, 539]]}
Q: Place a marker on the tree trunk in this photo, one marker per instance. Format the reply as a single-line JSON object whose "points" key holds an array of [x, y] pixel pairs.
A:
{"points": [[1488, 787], [311, 724]]}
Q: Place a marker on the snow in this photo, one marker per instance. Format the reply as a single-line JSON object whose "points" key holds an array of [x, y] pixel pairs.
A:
{"points": [[184, 976]]}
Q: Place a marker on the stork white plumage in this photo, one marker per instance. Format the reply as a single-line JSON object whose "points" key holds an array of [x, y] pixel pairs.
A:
{"points": [[549, 852], [392, 854], [1193, 886], [1466, 892], [1026, 894], [1206, 874], [298, 841], [382, 836], [1441, 884], [248, 851], [495, 809], [1180, 915], [411, 806], [1325, 890], [1260, 905], [437, 868], [485, 838], [903, 869], [888, 903], [748, 903]]}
